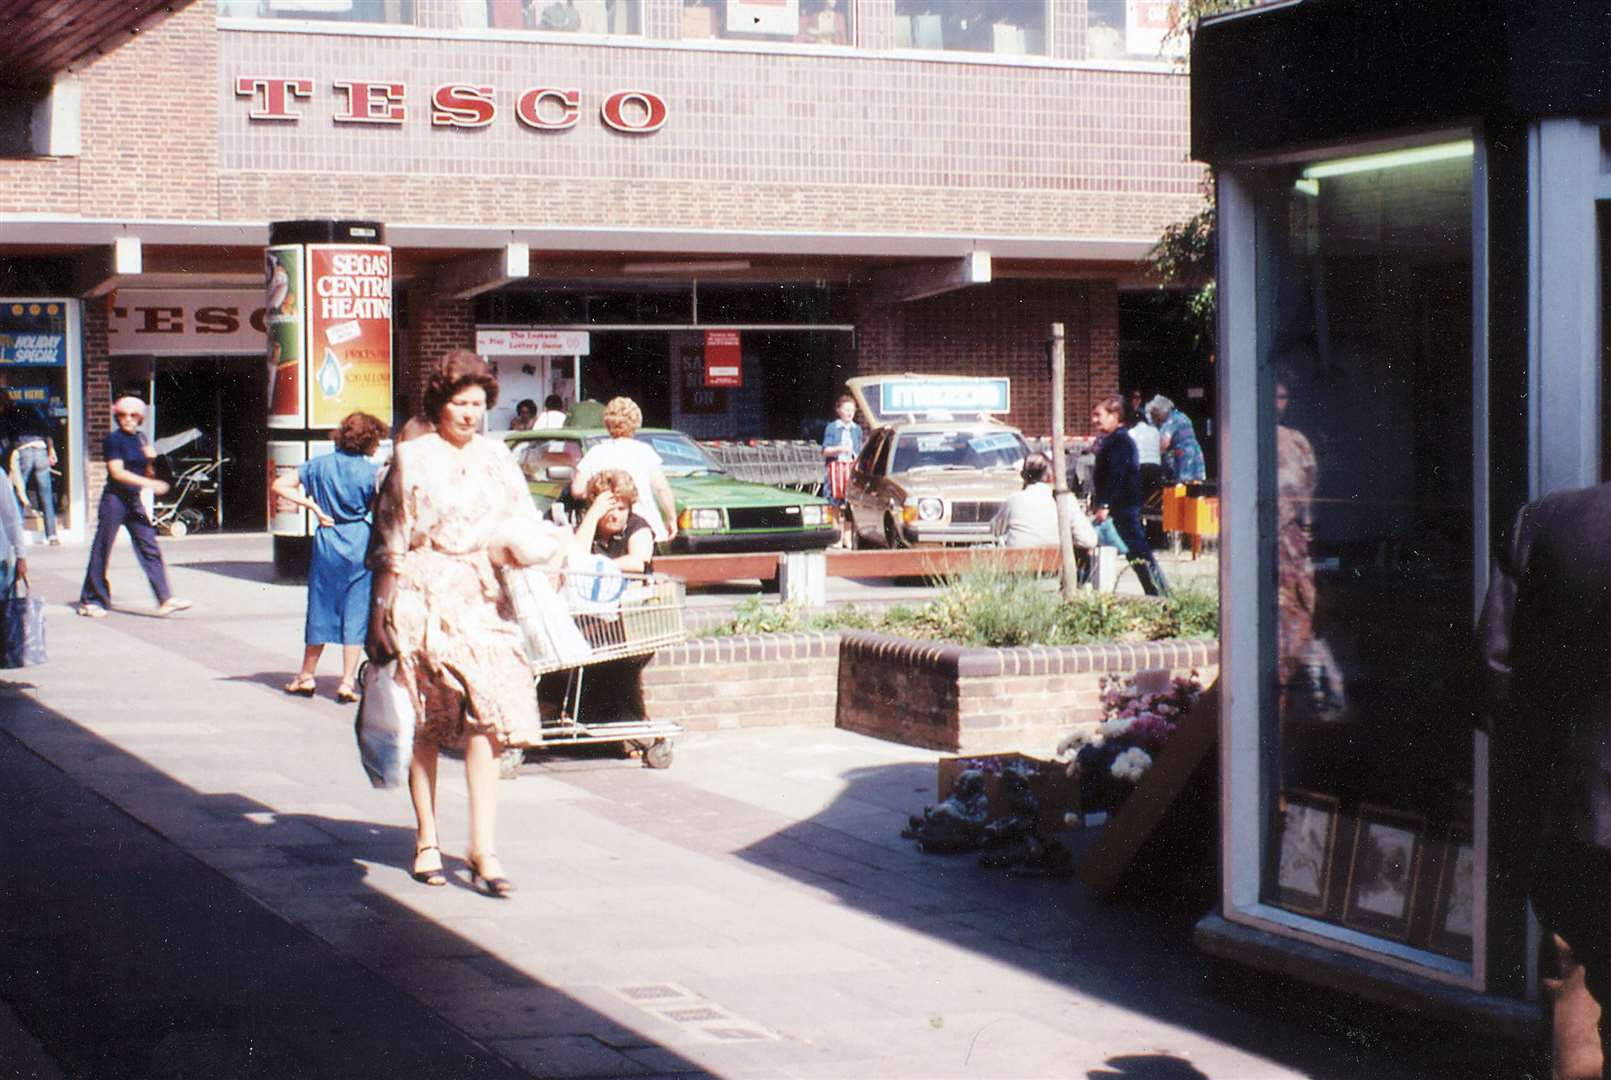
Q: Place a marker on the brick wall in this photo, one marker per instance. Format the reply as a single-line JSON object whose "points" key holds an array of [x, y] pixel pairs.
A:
{"points": [[716, 684], [946, 697], [937, 696], [149, 130], [1001, 329], [434, 325], [97, 397]]}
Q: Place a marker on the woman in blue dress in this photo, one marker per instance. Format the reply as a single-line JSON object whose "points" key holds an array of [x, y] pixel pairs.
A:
{"points": [[841, 442], [339, 489]]}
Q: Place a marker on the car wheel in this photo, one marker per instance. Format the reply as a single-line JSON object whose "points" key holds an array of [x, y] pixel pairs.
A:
{"points": [[892, 533]]}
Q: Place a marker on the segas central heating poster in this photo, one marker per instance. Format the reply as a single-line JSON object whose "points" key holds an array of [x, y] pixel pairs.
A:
{"points": [[349, 361]]}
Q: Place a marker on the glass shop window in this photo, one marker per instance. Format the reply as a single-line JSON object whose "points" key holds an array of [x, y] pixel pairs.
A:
{"points": [[393, 12], [1365, 281], [1131, 30], [806, 22], [34, 374], [563, 16], [1004, 27]]}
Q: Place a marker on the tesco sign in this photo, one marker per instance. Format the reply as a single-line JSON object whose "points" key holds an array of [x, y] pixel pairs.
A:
{"points": [[458, 104]]}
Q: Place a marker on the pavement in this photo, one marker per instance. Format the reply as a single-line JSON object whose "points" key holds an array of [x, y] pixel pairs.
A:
{"points": [[197, 881]]}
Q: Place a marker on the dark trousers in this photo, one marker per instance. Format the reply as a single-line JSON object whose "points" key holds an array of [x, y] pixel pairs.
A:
{"points": [[1569, 886], [117, 512], [1134, 535]]}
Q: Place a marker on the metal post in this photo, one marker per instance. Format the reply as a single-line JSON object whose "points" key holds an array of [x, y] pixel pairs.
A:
{"points": [[1064, 497]]}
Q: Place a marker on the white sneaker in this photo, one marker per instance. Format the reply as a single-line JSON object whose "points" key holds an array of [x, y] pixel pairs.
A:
{"points": [[171, 605], [92, 611]]}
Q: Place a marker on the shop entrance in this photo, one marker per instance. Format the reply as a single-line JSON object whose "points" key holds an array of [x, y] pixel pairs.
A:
{"points": [[224, 398]]}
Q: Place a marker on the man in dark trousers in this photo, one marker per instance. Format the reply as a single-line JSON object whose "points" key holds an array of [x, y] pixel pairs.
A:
{"points": [[1116, 482], [1546, 656]]}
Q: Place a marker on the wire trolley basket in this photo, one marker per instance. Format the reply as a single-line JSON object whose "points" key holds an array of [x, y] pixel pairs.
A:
{"points": [[578, 617]]}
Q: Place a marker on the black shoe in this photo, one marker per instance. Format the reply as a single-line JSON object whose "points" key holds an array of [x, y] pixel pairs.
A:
{"points": [[499, 886]]}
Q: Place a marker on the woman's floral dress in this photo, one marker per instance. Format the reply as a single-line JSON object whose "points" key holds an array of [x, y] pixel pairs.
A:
{"points": [[457, 640], [1296, 475]]}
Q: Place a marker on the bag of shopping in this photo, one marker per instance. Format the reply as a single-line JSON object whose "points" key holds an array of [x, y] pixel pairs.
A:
{"points": [[385, 725], [550, 634], [594, 585], [22, 623], [1107, 535]]}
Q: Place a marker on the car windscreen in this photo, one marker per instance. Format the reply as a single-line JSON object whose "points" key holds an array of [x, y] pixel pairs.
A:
{"points": [[958, 450], [680, 455]]}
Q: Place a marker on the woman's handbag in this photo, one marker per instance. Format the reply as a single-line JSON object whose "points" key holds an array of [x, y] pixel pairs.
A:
{"points": [[385, 726], [1107, 535], [22, 624]]}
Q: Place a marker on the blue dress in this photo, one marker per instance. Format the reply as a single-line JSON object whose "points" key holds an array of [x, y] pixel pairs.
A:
{"points": [[343, 484]]}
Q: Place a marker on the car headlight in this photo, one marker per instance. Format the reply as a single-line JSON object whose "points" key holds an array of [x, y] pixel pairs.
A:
{"points": [[699, 519], [930, 509], [814, 515]]}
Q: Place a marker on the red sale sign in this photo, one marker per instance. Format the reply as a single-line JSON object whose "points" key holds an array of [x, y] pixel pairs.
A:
{"points": [[724, 358]]}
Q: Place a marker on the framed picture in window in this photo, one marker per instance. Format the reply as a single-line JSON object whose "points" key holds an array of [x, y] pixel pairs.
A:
{"points": [[1453, 919], [1307, 844], [1382, 872]]}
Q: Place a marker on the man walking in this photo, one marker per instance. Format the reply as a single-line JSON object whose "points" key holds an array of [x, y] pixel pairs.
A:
{"points": [[1545, 661], [1116, 478]]}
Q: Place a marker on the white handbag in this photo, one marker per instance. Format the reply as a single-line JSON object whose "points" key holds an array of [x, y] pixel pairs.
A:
{"points": [[385, 725]]}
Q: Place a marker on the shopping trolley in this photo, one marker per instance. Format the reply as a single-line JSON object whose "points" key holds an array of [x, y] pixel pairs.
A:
{"points": [[578, 619]]}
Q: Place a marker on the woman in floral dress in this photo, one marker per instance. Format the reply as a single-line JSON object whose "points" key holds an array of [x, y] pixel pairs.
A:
{"points": [[1296, 476], [451, 504]]}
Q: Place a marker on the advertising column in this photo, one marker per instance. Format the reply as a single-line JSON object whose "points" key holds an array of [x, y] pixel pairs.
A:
{"points": [[329, 316]]}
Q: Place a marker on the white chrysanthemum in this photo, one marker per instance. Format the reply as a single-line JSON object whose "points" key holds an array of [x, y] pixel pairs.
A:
{"points": [[1131, 764]]}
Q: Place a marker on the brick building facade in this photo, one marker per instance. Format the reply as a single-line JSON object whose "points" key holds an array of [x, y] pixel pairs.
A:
{"points": [[824, 199]]}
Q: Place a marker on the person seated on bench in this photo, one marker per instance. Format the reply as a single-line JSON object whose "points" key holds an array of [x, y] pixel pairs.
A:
{"points": [[1029, 517]]}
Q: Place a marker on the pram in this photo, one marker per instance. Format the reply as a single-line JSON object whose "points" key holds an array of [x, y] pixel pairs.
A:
{"points": [[593, 618], [191, 504]]}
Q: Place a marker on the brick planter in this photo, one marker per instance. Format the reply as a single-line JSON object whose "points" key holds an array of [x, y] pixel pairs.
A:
{"points": [[975, 701], [760, 680]]}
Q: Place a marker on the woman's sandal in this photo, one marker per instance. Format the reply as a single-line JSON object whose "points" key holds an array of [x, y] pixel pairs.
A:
{"points": [[499, 886], [428, 875], [346, 694], [301, 684]]}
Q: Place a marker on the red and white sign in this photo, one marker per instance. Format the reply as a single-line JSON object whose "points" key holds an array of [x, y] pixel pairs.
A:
{"points": [[1146, 28], [451, 105], [349, 332], [532, 342], [189, 322], [724, 358]]}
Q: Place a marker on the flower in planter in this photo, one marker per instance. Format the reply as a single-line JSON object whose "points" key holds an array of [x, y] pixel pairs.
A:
{"points": [[1131, 764]]}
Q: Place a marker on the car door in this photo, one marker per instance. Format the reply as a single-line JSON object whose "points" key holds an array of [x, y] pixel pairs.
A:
{"points": [[861, 495]]}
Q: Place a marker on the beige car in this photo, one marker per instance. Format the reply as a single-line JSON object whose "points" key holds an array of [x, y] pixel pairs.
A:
{"points": [[923, 479]]}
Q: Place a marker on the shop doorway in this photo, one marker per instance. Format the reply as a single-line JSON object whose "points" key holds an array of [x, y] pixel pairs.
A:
{"points": [[1162, 350], [223, 398]]}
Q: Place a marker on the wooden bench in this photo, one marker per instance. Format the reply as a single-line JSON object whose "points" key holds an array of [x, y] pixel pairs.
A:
{"points": [[907, 562]]}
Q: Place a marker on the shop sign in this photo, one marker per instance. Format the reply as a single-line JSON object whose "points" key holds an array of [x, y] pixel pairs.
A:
{"points": [[532, 342], [724, 358], [462, 105], [697, 398], [349, 332], [763, 17], [150, 322], [286, 286], [33, 333], [976, 395]]}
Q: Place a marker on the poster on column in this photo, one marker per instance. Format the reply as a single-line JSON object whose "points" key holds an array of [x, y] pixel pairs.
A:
{"points": [[282, 315], [349, 332], [286, 518]]}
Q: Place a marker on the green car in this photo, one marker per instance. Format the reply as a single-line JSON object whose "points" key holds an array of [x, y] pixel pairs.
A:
{"points": [[715, 513]]}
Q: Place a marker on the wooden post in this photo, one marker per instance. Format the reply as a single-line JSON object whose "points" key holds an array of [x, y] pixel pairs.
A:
{"points": [[1064, 497]]}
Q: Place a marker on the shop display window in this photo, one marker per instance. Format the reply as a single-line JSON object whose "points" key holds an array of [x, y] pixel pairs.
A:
{"points": [[805, 22], [1004, 27], [1366, 500], [35, 371], [562, 16], [1131, 30]]}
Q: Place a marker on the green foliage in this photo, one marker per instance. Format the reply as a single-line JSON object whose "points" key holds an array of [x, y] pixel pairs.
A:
{"points": [[1184, 257], [986, 606]]}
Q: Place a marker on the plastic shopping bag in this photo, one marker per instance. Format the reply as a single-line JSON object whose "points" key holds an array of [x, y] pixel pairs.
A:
{"points": [[385, 726], [594, 585], [22, 628], [550, 634]]}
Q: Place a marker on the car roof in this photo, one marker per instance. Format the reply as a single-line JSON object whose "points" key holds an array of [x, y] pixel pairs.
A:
{"points": [[573, 433], [929, 426]]}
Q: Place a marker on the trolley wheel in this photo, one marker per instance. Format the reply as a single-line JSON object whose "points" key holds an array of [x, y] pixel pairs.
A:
{"points": [[176, 528], [190, 521], [509, 762], [657, 755]]}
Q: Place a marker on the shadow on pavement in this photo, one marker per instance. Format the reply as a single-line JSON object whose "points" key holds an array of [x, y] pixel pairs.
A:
{"points": [[241, 569], [128, 957], [1135, 953]]}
